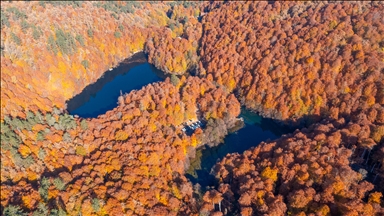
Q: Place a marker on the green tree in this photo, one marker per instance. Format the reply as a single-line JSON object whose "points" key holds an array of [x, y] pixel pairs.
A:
{"points": [[175, 80], [90, 33], [84, 124], [67, 137], [51, 45], [43, 189], [51, 120], [8, 137], [40, 136], [96, 204], [4, 19], [121, 27], [59, 183], [17, 14], [67, 122], [12, 210], [20, 161], [80, 39], [85, 63], [39, 118], [117, 34], [41, 210], [15, 39], [42, 154], [55, 212], [35, 34], [65, 41], [31, 118], [24, 26]]}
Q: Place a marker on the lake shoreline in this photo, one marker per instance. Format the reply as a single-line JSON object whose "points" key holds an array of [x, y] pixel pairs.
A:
{"points": [[131, 74], [250, 130], [107, 76]]}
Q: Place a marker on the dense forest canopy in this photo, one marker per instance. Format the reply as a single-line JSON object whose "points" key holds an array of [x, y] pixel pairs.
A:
{"points": [[317, 66]]}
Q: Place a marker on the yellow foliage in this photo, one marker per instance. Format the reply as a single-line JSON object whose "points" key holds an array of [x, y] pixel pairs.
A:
{"points": [[62, 68], [347, 89], [338, 186], [176, 191], [318, 100], [28, 201], [202, 90], [127, 117], [155, 171], [121, 135], [324, 210], [370, 100], [109, 168], [303, 177], [142, 157], [163, 199], [32, 176], [152, 127], [270, 173], [80, 150], [145, 170], [52, 193], [177, 108], [260, 195], [375, 197], [232, 84], [24, 150], [333, 24], [168, 65], [68, 87], [193, 140]]}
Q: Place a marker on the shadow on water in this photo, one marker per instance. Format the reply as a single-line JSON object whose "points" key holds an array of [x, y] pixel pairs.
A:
{"points": [[101, 96], [256, 130]]}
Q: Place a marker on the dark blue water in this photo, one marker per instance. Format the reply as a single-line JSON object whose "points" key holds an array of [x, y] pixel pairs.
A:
{"points": [[136, 72], [255, 130], [106, 96]]}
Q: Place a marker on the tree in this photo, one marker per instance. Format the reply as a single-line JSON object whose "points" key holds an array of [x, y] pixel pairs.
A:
{"points": [[95, 205], [12, 210], [90, 33], [85, 63], [15, 38], [59, 183], [117, 34], [175, 80], [41, 210], [84, 124]]}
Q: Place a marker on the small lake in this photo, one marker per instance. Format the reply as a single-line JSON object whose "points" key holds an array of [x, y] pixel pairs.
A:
{"points": [[101, 96], [255, 130], [136, 72]]}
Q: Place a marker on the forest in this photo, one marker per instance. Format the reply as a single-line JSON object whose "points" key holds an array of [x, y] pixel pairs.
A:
{"points": [[316, 67]]}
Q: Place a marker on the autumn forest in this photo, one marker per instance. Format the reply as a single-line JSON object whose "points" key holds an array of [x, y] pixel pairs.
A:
{"points": [[315, 68]]}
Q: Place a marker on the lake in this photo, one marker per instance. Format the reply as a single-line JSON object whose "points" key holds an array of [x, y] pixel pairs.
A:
{"points": [[101, 96], [255, 130], [136, 72]]}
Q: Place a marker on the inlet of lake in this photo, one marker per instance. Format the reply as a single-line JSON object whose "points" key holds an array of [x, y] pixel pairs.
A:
{"points": [[101, 96], [256, 129], [136, 72]]}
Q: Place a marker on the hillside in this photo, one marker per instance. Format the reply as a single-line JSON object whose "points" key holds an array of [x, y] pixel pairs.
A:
{"points": [[317, 67]]}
